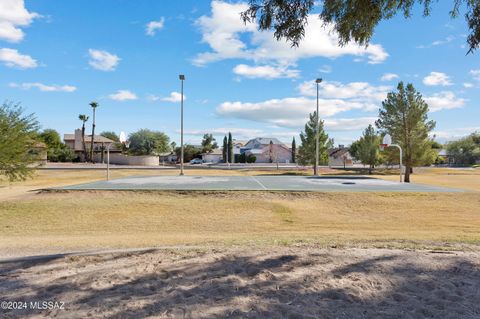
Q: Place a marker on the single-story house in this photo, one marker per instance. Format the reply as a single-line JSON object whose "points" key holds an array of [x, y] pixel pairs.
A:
{"points": [[170, 157], [75, 143], [339, 156], [215, 156], [449, 159]]}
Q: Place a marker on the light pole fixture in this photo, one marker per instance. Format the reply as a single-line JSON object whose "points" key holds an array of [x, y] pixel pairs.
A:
{"points": [[108, 160], [182, 78], [317, 128]]}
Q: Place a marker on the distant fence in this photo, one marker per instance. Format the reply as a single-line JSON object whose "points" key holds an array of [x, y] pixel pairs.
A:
{"points": [[121, 159]]}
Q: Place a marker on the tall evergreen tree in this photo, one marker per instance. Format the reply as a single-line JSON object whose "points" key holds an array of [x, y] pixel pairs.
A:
{"points": [[404, 115], [368, 148], [231, 159], [294, 150], [225, 150], [306, 151], [271, 154]]}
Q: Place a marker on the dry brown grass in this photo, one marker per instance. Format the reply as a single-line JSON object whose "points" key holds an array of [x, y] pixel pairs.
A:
{"points": [[468, 179], [93, 220]]}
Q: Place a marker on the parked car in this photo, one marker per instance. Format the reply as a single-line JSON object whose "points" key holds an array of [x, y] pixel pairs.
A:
{"points": [[196, 161]]}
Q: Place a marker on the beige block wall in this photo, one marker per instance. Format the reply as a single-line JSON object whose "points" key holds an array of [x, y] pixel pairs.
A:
{"points": [[121, 159]]}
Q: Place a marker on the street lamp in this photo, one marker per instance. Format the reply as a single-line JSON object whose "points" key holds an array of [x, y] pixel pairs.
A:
{"points": [[182, 78], [108, 160], [317, 128]]}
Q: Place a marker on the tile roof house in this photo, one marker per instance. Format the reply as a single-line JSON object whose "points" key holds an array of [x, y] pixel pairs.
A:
{"points": [[339, 156], [74, 142]]}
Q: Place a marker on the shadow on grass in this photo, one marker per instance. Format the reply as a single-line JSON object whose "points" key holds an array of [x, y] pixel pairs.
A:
{"points": [[283, 286]]}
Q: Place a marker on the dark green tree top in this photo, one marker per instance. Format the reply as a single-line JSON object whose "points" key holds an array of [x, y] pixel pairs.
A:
{"points": [[208, 143], [368, 147], [230, 148], [404, 115], [306, 151], [147, 142], [110, 135], [51, 138], [354, 20]]}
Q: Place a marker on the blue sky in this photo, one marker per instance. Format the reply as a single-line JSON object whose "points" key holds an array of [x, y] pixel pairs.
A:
{"points": [[57, 56]]}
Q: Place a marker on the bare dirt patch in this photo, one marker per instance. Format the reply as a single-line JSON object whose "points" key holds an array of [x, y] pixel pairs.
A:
{"points": [[273, 282]]}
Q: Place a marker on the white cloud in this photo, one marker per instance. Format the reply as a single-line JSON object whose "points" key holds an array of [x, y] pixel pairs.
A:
{"points": [[14, 15], [437, 78], [325, 69], [153, 26], [13, 59], [287, 112], [174, 97], [222, 31], [350, 124], [443, 101], [455, 133], [468, 85], [357, 91], [123, 95], [475, 74], [103, 60], [44, 88], [265, 71], [293, 112], [389, 77], [237, 132], [448, 39]]}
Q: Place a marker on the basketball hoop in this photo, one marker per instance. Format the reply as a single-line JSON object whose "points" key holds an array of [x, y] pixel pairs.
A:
{"points": [[387, 140]]}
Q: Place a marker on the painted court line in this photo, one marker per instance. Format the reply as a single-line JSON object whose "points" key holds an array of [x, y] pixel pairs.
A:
{"points": [[258, 182], [264, 183]]}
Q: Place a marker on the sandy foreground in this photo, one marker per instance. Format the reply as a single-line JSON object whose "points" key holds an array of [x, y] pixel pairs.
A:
{"points": [[266, 282]]}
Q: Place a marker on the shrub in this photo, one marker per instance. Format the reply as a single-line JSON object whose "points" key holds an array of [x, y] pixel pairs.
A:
{"points": [[251, 159]]}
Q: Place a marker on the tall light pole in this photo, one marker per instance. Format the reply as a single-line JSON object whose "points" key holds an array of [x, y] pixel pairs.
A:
{"points": [[317, 128], [182, 78]]}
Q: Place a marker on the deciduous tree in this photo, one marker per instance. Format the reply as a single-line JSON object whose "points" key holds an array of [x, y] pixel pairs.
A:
{"points": [[17, 138], [353, 20], [148, 142], [465, 150], [368, 148], [208, 143]]}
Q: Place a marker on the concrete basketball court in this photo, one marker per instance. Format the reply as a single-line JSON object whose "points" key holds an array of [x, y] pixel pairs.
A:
{"points": [[258, 183]]}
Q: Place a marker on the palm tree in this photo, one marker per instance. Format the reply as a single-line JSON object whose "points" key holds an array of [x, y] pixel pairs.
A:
{"points": [[83, 118], [94, 105]]}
